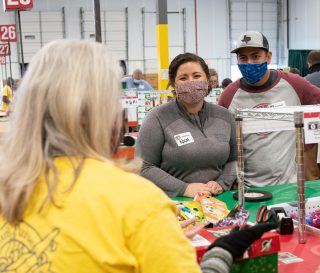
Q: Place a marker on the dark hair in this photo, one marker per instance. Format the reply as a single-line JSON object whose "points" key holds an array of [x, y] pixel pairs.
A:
{"points": [[182, 59], [10, 81], [123, 66], [314, 57], [213, 72], [226, 82]]}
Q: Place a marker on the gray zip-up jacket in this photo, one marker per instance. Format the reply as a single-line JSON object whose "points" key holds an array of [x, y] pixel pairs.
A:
{"points": [[314, 76], [178, 148]]}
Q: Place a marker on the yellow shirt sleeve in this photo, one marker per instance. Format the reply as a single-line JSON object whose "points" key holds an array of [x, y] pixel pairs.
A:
{"points": [[5, 91], [160, 245]]}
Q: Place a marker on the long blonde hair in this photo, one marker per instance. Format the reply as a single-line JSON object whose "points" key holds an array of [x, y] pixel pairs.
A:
{"points": [[67, 105]]}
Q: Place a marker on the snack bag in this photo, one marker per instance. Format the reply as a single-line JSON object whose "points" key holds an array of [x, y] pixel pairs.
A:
{"points": [[214, 210], [190, 209]]}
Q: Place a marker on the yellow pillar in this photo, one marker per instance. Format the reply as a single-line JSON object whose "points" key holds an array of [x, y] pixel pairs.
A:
{"points": [[163, 55]]}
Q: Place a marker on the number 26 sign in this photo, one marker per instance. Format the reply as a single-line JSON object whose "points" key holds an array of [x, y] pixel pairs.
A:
{"points": [[8, 33], [17, 4]]}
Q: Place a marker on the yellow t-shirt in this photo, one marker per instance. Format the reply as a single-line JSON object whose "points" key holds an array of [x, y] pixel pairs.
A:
{"points": [[110, 221], [6, 91]]}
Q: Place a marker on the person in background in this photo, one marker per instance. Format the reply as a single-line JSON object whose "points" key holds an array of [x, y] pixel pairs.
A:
{"points": [[188, 145], [312, 172], [65, 206], [123, 67], [137, 82], [295, 71], [269, 157], [313, 61], [214, 78], [225, 83], [7, 96]]}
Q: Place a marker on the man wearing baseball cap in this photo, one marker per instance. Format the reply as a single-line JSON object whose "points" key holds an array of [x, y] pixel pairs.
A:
{"points": [[269, 157]]}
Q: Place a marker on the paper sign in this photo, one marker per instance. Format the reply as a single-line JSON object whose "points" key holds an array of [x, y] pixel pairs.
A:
{"points": [[4, 49], [289, 258], [8, 33], [10, 5], [198, 240], [2, 60], [130, 102], [312, 127]]}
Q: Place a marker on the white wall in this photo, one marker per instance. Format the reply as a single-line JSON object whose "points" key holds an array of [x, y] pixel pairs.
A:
{"points": [[304, 24], [213, 27], [213, 35]]}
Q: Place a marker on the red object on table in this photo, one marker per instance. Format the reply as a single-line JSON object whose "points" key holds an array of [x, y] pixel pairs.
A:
{"points": [[269, 243]]}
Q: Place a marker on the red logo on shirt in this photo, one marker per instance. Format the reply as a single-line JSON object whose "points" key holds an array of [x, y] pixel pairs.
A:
{"points": [[263, 105]]}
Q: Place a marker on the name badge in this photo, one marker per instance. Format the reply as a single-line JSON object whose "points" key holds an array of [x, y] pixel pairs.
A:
{"points": [[141, 86], [184, 138]]}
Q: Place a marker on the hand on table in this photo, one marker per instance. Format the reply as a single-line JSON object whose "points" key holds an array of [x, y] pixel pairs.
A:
{"points": [[193, 188], [215, 187], [189, 230]]}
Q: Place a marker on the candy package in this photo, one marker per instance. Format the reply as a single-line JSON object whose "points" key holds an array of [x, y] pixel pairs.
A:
{"points": [[190, 209], [214, 210]]}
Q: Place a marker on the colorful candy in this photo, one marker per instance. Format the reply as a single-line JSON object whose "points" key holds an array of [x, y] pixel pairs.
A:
{"points": [[315, 219], [312, 219]]}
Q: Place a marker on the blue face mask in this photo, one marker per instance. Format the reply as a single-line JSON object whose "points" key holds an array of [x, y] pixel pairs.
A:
{"points": [[137, 81], [252, 73]]}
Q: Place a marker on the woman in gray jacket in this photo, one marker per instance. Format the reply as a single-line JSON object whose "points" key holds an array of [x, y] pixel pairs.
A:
{"points": [[189, 145]]}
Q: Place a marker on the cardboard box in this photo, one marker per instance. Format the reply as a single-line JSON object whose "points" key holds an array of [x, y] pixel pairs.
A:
{"points": [[262, 256]]}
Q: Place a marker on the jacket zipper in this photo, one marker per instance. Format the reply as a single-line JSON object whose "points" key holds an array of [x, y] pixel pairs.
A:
{"points": [[199, 126]]}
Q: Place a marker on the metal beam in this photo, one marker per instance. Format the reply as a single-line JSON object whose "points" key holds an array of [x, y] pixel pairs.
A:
{"points": [[97, 20], [162, 44], [21, 44], [162, 17]]}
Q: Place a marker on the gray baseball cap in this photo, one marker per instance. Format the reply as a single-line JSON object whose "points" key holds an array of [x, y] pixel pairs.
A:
{"points": [[251, 39]]}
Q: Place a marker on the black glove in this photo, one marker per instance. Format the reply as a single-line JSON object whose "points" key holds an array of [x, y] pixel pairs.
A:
{"points": [[238, 241]]}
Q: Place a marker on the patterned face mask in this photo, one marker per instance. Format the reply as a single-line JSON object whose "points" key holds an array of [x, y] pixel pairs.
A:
{"points": [[191, 92], [252, 73]]}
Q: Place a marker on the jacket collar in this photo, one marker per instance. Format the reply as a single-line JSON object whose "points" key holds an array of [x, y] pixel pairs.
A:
{"points": [[203, 113]]}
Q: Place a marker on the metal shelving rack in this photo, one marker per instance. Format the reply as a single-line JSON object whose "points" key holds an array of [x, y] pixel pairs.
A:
{"points": [[276, 119]]}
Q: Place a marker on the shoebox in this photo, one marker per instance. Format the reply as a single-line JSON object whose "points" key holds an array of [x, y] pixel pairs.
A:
{"points": [[262, 256]]}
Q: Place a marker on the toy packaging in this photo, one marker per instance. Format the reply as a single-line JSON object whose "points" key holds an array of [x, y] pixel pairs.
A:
{"points": [[209, 209], [190, 209], [214, 210]]}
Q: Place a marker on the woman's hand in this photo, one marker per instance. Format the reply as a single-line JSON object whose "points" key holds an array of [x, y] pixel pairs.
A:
{"points": [[215, 187], [193, 188], [191, 231]]}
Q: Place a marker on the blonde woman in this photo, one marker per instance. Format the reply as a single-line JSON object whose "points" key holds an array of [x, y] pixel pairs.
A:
{"points": [[65, 206]]}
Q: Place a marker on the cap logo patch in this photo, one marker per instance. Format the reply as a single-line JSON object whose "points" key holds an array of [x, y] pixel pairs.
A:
{"points": [[246, 39]]}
